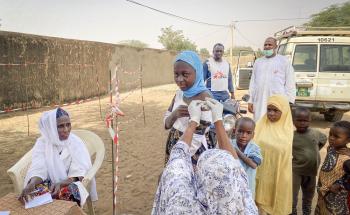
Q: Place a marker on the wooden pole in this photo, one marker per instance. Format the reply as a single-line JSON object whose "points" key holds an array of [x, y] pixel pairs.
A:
{"points": [[112, 143], [99, 94], [143, 105]]}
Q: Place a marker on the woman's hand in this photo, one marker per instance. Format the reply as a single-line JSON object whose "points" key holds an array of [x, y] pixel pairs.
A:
{"points": [[194, 110], [216, 109], [55, 189], [27, 191], [181, 111]]}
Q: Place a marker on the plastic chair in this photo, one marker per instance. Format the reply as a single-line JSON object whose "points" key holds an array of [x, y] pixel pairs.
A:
{"points": [[93, 143]]}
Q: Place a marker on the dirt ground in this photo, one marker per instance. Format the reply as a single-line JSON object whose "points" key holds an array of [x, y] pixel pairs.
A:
{"points": [[142, 145]]}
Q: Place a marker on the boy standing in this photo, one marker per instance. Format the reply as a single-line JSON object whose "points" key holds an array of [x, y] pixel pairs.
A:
{"points": [[306, 158], [248, 152]]}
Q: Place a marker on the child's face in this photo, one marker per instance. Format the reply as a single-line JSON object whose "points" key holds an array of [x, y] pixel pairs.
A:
{"points": [[184, 75], [302, 121], [273, 113], [338, 137], [244, 132]]}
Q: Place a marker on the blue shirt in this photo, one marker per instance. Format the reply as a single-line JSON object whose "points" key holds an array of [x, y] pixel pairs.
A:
{"points": [[218, 95], [252, 151]]}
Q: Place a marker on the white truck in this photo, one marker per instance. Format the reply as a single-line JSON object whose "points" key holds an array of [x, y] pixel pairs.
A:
{"points": [[321, 61]]}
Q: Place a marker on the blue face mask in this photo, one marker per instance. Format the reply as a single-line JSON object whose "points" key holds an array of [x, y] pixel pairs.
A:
{"points": [[268, 53]]}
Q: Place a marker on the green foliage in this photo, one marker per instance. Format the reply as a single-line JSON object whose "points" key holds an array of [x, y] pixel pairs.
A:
{"points": [[237, 49], [175, 40], [134, 43], [204, 52], [333, 16]]}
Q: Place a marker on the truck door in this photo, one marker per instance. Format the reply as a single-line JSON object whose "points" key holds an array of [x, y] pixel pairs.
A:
{"points": [[334, 73], [305, 67]]}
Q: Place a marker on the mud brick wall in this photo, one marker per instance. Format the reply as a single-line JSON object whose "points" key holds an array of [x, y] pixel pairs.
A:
{"points": [[37, 71]]}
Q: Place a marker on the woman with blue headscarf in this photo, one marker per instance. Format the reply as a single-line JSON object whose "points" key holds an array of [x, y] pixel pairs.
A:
{"points": [[188, 75]]}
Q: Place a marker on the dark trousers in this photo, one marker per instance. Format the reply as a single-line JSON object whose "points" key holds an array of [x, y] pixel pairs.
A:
{"points": [[308, 185]]}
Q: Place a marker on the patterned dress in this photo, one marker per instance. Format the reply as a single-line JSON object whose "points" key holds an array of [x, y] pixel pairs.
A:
{"points": [[220, 185], [332, 173], [174, 137]]}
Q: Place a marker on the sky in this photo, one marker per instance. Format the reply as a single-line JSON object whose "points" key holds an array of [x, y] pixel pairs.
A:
{"points": [[112, 21]]}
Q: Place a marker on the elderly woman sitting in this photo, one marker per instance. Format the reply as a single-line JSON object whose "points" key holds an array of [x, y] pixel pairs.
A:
{"points": [[59, 159], [219, 186]]}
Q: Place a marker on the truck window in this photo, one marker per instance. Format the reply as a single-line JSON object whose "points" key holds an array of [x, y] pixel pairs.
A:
{"points": [[335, 58], [281, 49], [305, 58]]}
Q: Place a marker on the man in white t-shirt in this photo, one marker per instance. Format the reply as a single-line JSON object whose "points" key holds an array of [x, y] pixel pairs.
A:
{"points": [[217, 74], [272, 74]]}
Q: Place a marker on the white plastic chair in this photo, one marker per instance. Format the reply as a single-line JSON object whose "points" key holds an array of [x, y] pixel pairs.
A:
{"points": [[93, 143]]}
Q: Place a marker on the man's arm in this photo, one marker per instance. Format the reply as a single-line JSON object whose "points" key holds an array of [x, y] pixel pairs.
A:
{"points": [[230, 83], [290, 83], [206, 72], [251, 90]]}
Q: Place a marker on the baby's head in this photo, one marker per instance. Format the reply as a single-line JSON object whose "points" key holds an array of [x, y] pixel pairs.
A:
{"points": [[244, 130], [301, 119], [346, 166], [339, 134]]}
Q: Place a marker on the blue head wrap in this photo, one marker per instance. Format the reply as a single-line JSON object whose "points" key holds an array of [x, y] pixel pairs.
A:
{"points": [[193, 59], [60, 112]]}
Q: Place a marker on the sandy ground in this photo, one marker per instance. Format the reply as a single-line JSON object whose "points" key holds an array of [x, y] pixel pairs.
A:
{"points": [[141, 145]]}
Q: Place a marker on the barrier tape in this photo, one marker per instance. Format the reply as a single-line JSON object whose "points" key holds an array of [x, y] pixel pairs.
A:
{"points": [[57, 64], [9, 110]]}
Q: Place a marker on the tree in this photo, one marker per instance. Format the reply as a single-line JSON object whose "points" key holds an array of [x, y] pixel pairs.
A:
{"points": [[204, 52], [134, 43], [175, 40], [333, 16]]}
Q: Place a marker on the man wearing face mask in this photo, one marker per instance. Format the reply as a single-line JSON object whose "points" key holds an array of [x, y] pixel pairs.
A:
{"points": [[217, 74], [272, 74]]}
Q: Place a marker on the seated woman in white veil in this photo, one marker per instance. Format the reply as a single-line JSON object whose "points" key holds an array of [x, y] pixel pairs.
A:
{"points": [[59, 160]]}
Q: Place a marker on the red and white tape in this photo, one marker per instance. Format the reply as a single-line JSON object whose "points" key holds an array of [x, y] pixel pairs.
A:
{"points": [[9, 110]]}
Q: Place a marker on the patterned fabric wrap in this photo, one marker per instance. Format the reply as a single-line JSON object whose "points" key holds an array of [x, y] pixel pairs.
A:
{"points": [[223, 184], [176, 190], [60, 112], [332, 173], [219, 186], [174, 137], [68, 193]]}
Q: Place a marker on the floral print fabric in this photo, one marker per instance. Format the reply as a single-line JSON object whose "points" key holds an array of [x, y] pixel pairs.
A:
{"points": [[219, 186]]}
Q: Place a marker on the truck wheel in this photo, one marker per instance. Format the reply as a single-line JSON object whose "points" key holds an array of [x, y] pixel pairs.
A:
{"points": [[333, 116]]}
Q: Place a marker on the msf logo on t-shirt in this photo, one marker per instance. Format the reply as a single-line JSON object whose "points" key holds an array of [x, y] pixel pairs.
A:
{"points": [[219, 75]]}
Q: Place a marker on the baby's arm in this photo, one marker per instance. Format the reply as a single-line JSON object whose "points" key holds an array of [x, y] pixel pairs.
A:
{"points": [[250, 162], [340, 184]]}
